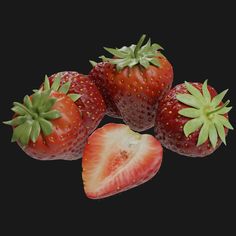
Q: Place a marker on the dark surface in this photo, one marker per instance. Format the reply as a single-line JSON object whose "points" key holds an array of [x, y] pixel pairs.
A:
{"points": [[187, 194]]}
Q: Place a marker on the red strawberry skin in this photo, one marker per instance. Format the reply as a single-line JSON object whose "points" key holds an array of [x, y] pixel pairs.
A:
{"points": [[68, 138], [90, 104], [169, 125], [112, 165], [136, 91], [98, 75]]}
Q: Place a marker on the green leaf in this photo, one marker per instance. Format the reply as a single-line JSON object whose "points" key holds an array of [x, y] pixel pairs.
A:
{"points": [[144, 63], [24, 138], [16, 121], [27, 102], [128, 50], [36, 99], [48, 105], [112, 61], [204, 133], [220, 130], [206, 92], [192, 125], [46, 84], [56, 83], [157, 47], [19, 110], [16, 135], [104, 58], [194, 91], [218, 98], [146, 47], [139, 44], [74, 96], [224, 110], [133, 63], [65, 87], [213, 135], [155, 62], [189, 100], [22, 133], [35, 131], [116, 52], [190, 112], [93, 63], [134, 54], [46, 126], [51, 115], [224, 121], [123, 63], [44, 97]]}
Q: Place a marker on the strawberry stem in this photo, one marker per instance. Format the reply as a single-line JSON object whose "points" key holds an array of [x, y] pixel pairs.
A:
{"points": [[218, 108], [139, 44]]}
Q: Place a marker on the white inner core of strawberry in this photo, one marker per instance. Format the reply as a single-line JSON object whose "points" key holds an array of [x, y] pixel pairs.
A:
{"points": [[124, 148]]}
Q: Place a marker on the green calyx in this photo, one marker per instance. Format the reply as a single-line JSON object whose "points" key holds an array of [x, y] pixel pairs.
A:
{"points": [[35, 114], [60, 88], [134, 55], [206, 114]]}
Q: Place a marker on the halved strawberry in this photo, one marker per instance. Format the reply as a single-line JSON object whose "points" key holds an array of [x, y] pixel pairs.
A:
{"points": [[116, 159]]}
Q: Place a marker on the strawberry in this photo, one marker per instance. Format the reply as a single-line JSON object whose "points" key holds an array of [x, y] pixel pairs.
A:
{"points": [[192, 120], [90, 103], [48, 125], [116, 159], [98, 74], [139, 78]]}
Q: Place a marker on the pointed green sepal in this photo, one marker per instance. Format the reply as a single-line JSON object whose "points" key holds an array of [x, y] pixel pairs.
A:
{"points": [[16, 121], [192, 125], [51, 115], [65, 88], [56, 83], [205, 113], [35, 131], [135, 54], [46, 85], [45, 125], [74, 96], [33, 116], [93, 63]]}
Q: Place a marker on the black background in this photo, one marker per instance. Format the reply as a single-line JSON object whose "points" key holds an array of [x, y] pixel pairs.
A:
{"points": [[192, 195]]}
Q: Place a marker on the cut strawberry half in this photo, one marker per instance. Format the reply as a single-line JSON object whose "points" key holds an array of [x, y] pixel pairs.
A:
{"points": [[116, 159]]}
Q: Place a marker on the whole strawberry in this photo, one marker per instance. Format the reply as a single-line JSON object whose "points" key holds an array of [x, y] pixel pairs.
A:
{"points": [[48, 125], [138, 77], [90, 102], [192, 120], [98, 74]]}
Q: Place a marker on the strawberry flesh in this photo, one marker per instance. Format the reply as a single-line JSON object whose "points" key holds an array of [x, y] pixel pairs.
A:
{"points": [[116, 159]]}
